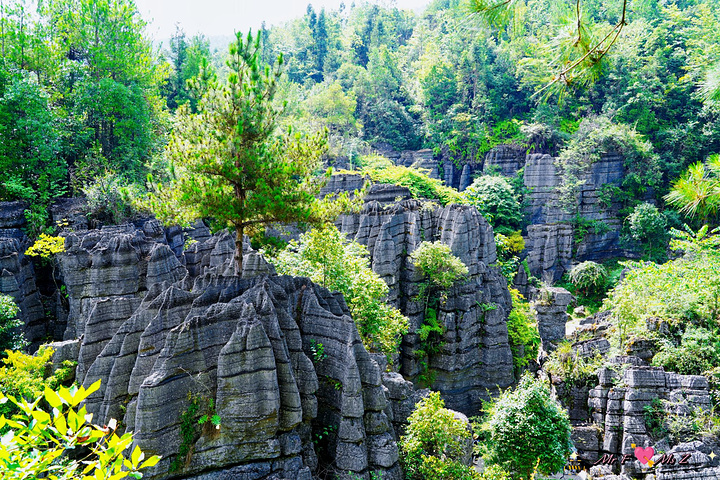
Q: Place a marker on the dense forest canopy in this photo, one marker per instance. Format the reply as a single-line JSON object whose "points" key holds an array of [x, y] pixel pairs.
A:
{"points": [[84, 94]]}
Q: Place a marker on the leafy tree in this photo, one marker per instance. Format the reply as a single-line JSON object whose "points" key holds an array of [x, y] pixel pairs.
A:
{"points": [[435, 261], [497, 201], [335, 106], [435, 443], [523, 333], [649, 228], [188, 59], [325, 256], [106, 79], [11, 336], [39, 441], [577, 51], [384, 103], [526, 428], [679, 292], [230, 164], [440, 89], [32, 169]]}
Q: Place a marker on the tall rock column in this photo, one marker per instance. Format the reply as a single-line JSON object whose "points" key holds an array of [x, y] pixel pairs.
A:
{"points": [[551, 310]]}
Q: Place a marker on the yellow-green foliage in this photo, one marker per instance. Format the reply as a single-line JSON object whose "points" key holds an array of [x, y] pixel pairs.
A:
{"points": [[38, 441], [46, 247], [434, 443], [511, 244], [565, 364], [325, 256], [436, 262], [382, 170], [27, 376]]}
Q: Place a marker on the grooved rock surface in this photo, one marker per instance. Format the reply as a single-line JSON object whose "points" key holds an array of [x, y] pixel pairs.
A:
{"points": [[620, 412], [475, 356], [246, 344], [17, 279], [12, 219], [156, 327], [551, 312]]}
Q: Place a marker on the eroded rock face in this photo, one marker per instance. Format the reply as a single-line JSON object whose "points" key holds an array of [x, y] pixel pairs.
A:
{"points": [[17, 279], [247, 344], [617, 406], [550, 307], [475, 356], [158, 328], [550, 240]]}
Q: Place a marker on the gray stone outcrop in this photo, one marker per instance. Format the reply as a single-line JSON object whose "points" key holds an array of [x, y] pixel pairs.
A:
{"points": [[156, 327], [550, 306], [17, 279], [246, 344], [475, 356], [617, 406]]}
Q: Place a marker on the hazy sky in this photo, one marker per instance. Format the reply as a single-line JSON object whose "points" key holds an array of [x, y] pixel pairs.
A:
{"points": [[224, 17]]}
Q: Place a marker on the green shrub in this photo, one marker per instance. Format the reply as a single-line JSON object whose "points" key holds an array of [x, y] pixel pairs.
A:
{"points": [[434, 443], [110, 199], [325, 256], [698, 352], [11, 336], [27, 376], [526, 430], [495, 472], [440, 269], [648, 227], [589, 277], [566, 365], [523, 332], [436, 262], [508, 248], [655, 416], [683, 291], [497, 201], [382, 170]]}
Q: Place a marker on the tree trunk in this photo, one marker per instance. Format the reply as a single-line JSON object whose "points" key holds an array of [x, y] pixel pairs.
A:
{"points": [[239, 233]]}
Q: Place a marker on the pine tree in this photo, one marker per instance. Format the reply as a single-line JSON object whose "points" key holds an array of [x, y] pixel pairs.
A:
{"points": [[231, 165]]}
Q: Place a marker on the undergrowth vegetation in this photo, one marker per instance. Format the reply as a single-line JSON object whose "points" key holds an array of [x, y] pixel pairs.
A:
{"points": [[326, 257], [417, 180]]}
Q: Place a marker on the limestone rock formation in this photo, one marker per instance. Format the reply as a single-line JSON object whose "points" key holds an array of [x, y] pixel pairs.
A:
{"points": [[618, 408], [17, 275], [550, 306], [246, 344], [12, 219], [17, 279], [163, 330], [475, 357]]}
